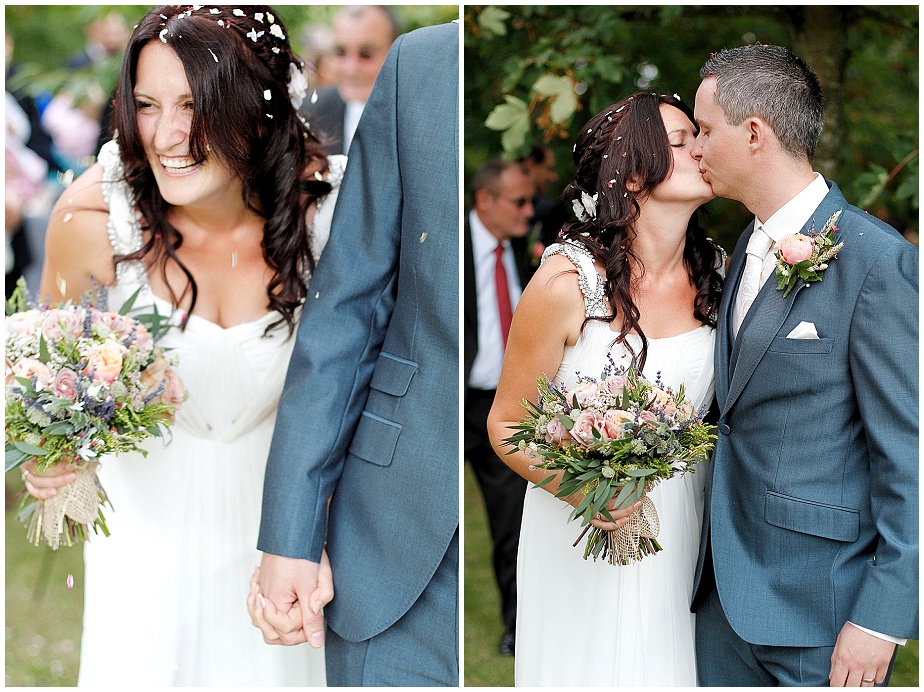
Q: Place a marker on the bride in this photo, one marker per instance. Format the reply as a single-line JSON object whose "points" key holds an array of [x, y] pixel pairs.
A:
{"points": [[215, 200], [634, 276]]}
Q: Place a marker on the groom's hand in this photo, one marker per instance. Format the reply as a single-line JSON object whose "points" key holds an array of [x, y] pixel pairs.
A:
{"points": [[283, 582], [859, 656]]}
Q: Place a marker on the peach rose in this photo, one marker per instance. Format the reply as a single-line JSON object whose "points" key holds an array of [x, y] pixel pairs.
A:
{"points": [[159, 375], [27, 367], [104, 362], [795, 248], [614, 422], [582, 431], [583, 392]]}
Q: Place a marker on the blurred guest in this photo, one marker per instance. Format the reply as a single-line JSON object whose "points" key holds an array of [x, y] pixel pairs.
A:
{"points": [[362, 36], [549, 214], [81, 126], [318, 54], [496, 270]]}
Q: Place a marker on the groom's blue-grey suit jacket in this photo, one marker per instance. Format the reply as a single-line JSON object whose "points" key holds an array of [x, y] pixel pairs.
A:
{"points": [[812, 499], [369, 413]]}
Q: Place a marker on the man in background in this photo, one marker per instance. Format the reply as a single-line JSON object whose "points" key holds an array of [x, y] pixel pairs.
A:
{"points": [[496, 269], [362, 36]]}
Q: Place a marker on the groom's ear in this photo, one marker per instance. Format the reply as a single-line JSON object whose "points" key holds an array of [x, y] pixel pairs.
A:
{"points": [[759, 133]]}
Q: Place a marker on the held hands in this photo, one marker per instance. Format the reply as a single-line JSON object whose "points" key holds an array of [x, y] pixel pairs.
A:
{"points": [[43, 486], [860, 659], [621, 516], [286, 598]]}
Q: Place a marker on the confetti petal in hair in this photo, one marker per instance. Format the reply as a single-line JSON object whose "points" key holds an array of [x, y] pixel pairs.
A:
{"points": [[163, 36], [623, 154], [678, 97], [196, 8], [314, 98], [606, 156], [589, 131], [213, 55], [253, 35], [238, 13], [318, 176], [618, 138], [221, 22], [267, 94], [163, 16], [269, 116], [619, 109], [276, 31], [214, 10], [270, 18], [275, 50], [258, 16]]}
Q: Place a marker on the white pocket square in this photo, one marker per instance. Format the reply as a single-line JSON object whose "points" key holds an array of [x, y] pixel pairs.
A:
{"points": [[803, 330]]}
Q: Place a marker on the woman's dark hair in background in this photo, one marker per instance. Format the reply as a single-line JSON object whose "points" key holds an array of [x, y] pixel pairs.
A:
{"points": [[231, 55], [627, 141]]}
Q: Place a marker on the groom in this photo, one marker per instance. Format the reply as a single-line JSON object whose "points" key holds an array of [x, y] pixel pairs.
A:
{"points": [[368, 416], [808, 566]]}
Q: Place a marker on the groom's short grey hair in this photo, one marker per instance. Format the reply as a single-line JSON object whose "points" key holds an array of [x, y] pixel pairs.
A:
{"points": [[771, 83]]}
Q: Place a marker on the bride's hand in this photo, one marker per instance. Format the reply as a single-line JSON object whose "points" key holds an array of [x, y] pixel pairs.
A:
{"points": [[45, 484], [621, 516]]}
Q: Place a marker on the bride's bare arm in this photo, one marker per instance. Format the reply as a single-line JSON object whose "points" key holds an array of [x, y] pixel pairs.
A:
{"points": [[547, 319], [77, 244]]}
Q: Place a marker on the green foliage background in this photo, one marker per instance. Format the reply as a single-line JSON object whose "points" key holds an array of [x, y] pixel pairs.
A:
{"points": [[537, 73]]}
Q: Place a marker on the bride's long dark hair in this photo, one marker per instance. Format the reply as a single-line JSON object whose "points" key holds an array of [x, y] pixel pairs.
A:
{"points": [[231, 55], [628, 141]]}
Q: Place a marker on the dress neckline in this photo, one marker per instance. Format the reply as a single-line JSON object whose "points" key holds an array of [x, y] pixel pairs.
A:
{"points": [[172, 311]]}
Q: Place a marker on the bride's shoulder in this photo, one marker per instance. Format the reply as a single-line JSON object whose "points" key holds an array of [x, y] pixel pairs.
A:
{"points": [[556, 283]]}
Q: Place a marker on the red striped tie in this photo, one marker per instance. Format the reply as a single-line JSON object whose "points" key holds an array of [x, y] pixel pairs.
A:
{"points": [[504, 311]]}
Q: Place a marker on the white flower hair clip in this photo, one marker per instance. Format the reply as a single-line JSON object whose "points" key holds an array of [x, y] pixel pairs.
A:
{"points": [[585, 208], [298, 86]]}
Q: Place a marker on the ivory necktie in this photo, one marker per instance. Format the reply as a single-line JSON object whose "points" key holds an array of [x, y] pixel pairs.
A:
{"points": [[504, 310], [758, 245]]}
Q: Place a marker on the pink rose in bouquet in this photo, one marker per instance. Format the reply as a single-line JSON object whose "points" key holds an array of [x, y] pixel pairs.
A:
{"points": [[796, 248], [615, 384], [59, 323], [161, 380], [555, 432], [582, 432], [65, 384], [25, 322]]}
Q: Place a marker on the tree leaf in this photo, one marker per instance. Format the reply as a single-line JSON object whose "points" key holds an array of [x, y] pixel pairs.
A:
{"points": [[491, 21]]}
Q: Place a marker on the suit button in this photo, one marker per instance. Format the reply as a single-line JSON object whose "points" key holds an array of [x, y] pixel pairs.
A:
{"points": [[724, 429]]}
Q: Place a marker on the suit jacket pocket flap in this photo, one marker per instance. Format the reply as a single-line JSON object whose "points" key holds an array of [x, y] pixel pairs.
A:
{"points": [[783, 345], [375, 439], [804, 516], [392, 374]]}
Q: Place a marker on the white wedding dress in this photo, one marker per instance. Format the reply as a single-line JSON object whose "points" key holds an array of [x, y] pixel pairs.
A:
{"points": [[165, 601], [582, 623]]}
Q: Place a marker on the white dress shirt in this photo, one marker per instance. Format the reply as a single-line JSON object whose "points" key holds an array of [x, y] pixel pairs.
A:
{"points": [[486, 369], [351, 116]]}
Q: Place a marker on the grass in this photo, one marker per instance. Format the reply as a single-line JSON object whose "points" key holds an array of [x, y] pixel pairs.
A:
{"points": [[43, 616], [484, 667]]}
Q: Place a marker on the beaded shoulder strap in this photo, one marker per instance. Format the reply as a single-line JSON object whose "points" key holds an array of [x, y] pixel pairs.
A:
{"points": [[124, 222], [589, 279]]}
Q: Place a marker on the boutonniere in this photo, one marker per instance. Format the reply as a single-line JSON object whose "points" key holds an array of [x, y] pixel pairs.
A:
{"points": [[806, 256]]}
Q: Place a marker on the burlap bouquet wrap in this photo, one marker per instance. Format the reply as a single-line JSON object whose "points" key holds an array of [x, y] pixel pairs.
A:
{"points": [[631, 541], [78, 501]]}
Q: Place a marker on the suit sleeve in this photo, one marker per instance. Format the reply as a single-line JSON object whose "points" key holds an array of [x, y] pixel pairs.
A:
{"points": [[884, 368], [349, 304]]}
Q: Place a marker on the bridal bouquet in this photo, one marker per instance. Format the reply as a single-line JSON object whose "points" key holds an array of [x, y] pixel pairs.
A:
{"points": [[81, 382], [616, 437]]}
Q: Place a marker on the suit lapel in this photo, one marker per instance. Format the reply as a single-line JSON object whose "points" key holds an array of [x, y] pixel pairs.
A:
{"points": [[726, 309], [770, 309]]}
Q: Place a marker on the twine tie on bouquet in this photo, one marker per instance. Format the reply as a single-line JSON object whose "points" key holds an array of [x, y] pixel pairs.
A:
{"points": [[632, 540]]}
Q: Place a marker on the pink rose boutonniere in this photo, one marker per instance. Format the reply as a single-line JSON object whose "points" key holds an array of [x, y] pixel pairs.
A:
{"points": [[806, 256]]}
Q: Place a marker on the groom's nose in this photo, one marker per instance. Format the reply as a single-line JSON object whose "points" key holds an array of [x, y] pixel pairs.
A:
{"points": [[696, 151]]}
